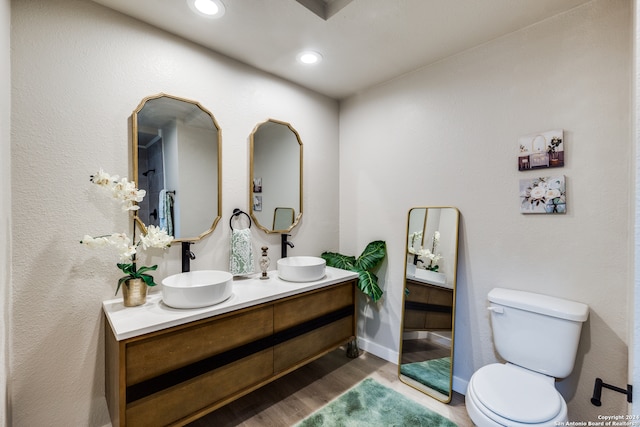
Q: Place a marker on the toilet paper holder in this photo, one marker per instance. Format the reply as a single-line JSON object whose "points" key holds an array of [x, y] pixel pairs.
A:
{"points": [[597, 391]]}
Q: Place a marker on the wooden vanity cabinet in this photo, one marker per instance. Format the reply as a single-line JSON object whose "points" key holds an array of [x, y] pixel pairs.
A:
{"points": [[327, 316], [176, 375], [427, 306]]}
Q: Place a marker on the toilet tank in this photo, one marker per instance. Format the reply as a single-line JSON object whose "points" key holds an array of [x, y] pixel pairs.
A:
{"points": [[535, 331]]}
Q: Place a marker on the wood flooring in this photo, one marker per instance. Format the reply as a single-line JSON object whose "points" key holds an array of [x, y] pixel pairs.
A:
{"points": [[295, 396], [421, 350]]}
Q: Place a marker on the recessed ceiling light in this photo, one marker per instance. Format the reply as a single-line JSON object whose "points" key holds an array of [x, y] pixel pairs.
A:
{"points": [[309, 57], [208, 8]]}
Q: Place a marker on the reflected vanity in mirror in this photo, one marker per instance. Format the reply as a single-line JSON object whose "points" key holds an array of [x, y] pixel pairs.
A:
{"points": [[176, 160], [275, 176], [426, 344]]}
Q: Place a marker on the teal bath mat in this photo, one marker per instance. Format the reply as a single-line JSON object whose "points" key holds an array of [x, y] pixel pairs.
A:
{"points": [[432, 373], [370, 404]]}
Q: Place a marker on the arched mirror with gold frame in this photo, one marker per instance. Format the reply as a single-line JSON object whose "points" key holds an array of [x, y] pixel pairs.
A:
{"points": [[177, 161], [428, 315], [275, 176]]}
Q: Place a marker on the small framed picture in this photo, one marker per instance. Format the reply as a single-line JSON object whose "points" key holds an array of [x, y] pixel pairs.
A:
{"points": [[546, 195], [257, 185], [541, 150], [257, 203]]}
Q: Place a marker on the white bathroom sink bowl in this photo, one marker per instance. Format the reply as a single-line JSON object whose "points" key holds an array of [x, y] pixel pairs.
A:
{"points": [[301, 268], [196, 289]]}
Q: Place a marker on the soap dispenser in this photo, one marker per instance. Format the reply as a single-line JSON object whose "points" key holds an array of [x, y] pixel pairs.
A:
{"points": [[264, 263]]}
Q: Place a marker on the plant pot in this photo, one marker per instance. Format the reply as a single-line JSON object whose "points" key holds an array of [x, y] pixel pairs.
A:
{"points": [[134, 292]]}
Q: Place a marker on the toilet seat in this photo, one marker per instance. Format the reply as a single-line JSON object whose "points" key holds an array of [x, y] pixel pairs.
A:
{"points": [[505, 394]]}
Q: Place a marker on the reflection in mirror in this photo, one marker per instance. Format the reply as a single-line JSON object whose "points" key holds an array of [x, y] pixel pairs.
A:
{"points": [[283, 218], [176, 159], [276, 176], [426, 345]]}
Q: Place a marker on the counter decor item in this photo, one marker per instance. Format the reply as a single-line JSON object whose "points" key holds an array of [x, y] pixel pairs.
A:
{"points": [[264, 263], [136, 278]]}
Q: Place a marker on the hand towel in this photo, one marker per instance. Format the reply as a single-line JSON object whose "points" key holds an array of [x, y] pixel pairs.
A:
{"points": [[165, 211], [241, 254], [162, 204], [168, 213]]}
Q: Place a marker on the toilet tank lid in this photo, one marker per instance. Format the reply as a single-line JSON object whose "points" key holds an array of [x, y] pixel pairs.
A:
{"points": [[538, 303]]}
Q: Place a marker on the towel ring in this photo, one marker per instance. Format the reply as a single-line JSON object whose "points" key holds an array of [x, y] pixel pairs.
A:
{"points": [[237, 212]]}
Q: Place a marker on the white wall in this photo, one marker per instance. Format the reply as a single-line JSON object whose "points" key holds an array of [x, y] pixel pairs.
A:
{"points": [[447, 135], [634, 294], [5, 198], [79, 70]]}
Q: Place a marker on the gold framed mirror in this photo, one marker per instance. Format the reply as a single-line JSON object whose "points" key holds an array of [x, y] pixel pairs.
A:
{"points": [[275, 176], [177, 161], [428, 303]]}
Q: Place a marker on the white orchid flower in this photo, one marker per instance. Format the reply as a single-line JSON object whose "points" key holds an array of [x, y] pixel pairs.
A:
{"points": [[123, 190], [128, 195], [155, 237]]}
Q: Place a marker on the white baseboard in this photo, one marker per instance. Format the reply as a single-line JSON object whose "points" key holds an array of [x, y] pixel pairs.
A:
{"points": [[460, 385], [378, 350], [442, 339]]}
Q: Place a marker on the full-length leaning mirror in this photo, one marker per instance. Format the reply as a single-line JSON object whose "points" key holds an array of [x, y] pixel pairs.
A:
{"points": [[176, 159], [275, 176], [426, 345]]}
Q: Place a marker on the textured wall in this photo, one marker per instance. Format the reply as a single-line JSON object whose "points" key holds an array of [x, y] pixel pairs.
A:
{"points": [[447, 135], [5, 197], [79, 70]]}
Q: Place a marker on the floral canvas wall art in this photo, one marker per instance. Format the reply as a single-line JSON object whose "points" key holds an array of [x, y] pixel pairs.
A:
{"points": [[543, 195], [541, 150]]}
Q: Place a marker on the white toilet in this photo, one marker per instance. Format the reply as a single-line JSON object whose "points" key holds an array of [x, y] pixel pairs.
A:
{"points": [[538, 336]]}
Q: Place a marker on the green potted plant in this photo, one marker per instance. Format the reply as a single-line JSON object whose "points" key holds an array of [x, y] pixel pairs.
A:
{"points": [[364, 265]]}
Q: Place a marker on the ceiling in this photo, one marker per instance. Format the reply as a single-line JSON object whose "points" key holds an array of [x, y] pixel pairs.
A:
{"points": [[365, 43]]}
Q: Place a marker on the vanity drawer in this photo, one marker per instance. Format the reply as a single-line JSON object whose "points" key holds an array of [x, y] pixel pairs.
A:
{"points": [[414, 319], [182, 346], [202, 394], [440, 319], [294, 311], [304, 348], [428, 307]]}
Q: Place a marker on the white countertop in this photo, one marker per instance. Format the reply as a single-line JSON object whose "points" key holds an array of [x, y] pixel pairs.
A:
{"points": [[154, 315], [428, 282]]}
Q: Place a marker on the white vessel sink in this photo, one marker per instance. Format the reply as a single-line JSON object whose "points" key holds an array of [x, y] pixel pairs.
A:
{"points": [[196, 289], [301, 268]]}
